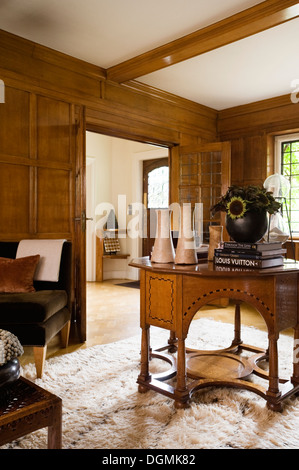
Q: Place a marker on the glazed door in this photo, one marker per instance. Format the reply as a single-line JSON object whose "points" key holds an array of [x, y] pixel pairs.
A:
{"points": [[204, 176], [155, 196]]}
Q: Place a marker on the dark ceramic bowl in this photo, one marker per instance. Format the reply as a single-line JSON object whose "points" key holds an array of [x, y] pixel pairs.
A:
{"points": [[251, 228], [9, 372]]}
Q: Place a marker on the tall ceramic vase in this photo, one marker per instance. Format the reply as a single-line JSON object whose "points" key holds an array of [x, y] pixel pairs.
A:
{"points": [[163, 251], [185, 251], [216, 232]]}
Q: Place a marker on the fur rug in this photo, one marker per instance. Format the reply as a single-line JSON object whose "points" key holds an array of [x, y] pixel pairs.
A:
{"points": [[102, 408]]}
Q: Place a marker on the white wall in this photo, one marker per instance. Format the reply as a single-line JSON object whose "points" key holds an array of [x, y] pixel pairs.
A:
{"points": [[98, 188], [116, 168], [99, 147]]}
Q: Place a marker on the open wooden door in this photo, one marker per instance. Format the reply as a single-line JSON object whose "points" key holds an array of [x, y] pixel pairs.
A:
{"points": [[155, 187], [205, 175], [80, 226]]}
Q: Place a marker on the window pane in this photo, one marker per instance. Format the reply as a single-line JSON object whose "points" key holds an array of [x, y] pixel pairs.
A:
{"points": [[286, 158], [290, 169], [158, 187], [295, 169], [294, 204], [295, 227], [294, 193], [294, 181]]}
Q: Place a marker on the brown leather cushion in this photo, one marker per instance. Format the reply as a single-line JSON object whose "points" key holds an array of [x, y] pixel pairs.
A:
{"points": [[16, 275], [31, 307]]}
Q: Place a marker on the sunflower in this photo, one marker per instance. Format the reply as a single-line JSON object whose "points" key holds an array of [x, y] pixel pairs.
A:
{"points": [[238, 200], [236, 207]]}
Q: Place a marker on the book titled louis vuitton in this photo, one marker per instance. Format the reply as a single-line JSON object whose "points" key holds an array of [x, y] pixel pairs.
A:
{"points": [[248, 262]]}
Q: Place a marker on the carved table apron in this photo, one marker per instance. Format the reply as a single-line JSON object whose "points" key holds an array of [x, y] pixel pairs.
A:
{"points": [[170, 296]]}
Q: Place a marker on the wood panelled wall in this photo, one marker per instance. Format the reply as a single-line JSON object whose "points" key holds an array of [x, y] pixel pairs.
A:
{"points": [[43, 90], [36, 166], [50, 99], [252, 129]]}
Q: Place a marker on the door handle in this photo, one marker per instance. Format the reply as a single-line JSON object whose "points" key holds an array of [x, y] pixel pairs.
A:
{"points": [[83, 220]]}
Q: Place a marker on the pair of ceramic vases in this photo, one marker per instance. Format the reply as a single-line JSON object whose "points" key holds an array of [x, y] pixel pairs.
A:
{"points": [[163, 251]]}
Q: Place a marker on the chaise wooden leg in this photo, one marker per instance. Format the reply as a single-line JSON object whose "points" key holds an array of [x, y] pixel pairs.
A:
{"points": [[39, 358], [65, 334]]}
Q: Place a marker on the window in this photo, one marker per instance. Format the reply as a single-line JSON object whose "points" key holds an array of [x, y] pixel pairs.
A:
{"points": [[287, 164], [155, 196], [158, 188]]}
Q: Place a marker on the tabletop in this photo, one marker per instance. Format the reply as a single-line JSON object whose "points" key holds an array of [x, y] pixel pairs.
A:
{"points": [[208, 268]]}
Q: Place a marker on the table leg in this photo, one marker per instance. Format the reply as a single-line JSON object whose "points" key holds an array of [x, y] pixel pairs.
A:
{"points": [[237, 339], [295, 377], [55, 430], [273, 392], [144, 375], [172, 342], [181, 392]]}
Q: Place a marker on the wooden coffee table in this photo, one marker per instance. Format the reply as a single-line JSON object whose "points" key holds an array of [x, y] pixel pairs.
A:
{"points": [[29, 408], [170, 296]]}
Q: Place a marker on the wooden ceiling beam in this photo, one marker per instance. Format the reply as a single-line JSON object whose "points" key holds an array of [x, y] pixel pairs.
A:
{"points": [[263, 16]]}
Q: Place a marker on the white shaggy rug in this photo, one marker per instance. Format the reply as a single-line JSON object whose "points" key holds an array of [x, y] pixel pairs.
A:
{"points": [[102, 408]]}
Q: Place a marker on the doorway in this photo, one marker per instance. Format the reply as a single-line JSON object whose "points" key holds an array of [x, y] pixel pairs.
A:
{"points": [[114, 176], [155, 196]]}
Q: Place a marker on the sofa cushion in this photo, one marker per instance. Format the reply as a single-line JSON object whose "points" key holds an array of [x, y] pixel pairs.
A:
{"points": [[31, 307], [16, 275]]}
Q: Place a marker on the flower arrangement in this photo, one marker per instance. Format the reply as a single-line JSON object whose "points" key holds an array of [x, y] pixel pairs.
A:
{"points": [[238, 200]]}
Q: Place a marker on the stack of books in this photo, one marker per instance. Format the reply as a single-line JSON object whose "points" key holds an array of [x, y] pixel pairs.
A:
{"points": [[250, 255]]}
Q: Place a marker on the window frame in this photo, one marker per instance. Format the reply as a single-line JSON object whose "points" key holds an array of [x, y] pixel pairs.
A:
{"points": [[279, 140], [277, 154]]}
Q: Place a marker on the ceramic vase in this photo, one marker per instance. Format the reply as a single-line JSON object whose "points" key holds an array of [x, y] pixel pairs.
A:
{"points": [[163, 251], [251, 228], [185, 251], [216, 234]]}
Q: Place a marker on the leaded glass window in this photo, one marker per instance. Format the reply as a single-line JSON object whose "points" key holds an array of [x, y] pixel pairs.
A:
{"points": [[290, 169]]}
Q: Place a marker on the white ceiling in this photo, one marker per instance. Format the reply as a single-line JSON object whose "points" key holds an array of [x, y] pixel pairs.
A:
{"points": [[258, 67], [107, 32]]}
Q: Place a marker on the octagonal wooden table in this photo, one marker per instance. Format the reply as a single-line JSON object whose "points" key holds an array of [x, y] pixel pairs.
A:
{"points": [[170, 296]]}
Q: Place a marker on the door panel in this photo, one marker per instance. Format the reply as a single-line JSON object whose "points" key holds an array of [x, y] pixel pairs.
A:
{"points": [[204, 177], [53, 208], [54, 121], [15, 199], [150, 221], [15, 124]]}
